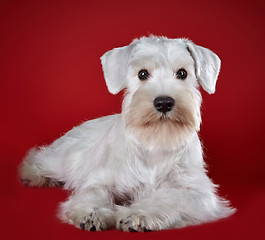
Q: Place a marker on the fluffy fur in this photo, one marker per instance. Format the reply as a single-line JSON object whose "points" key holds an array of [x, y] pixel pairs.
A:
{"points": [[140, 170]]}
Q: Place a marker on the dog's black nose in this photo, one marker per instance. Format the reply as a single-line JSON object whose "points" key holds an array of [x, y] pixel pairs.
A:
{"points": [[164, 104]]}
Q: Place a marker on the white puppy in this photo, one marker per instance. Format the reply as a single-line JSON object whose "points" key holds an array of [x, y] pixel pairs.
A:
{"points": [[143, 169]]}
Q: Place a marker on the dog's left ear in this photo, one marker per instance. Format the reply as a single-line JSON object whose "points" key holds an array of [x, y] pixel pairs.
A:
{"points": [[207, 66], [115, 66]]}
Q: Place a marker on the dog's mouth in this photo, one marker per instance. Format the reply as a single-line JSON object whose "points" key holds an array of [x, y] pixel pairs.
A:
{"points": [[164, 118]]}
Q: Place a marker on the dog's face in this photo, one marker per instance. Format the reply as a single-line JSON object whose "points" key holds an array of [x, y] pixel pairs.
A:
{"points": [[162, 102]]}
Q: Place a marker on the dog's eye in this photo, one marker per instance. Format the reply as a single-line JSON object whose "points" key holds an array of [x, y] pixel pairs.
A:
{"points": [[143, 74], [181, 74]]}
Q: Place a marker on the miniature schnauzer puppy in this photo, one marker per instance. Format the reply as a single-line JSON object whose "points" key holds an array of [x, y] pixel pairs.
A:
{"points": [[143, 169]]}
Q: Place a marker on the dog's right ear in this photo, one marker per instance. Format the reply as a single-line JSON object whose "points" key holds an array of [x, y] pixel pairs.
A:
{"points": [[115, 66]]}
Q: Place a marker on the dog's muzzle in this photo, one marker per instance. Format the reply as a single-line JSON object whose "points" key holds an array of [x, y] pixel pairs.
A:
{"points": [[164, 104]]}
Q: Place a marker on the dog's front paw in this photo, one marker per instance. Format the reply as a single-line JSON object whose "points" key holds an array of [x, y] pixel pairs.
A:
{"points": [[95, 221], [133, 223]]}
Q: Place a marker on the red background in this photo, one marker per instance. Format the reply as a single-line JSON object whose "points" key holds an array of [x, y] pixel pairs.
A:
{"points": [[51, 80]]}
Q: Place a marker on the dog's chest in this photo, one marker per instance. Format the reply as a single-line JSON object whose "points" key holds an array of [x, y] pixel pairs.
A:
{"points": [[156, 158], [155, 169]]}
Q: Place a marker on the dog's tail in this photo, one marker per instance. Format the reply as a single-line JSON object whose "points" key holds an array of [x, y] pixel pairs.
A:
{"points": [[31, 172]]}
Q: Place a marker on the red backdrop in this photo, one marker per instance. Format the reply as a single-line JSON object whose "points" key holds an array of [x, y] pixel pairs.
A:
{"points": [[51, 80]]}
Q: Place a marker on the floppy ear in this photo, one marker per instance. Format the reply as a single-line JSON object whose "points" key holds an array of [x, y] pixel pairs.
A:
{"points": [[115, 66], [207, 66]]}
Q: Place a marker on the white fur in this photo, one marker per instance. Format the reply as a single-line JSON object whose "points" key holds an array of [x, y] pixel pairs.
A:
{"points": [[129, 175]]}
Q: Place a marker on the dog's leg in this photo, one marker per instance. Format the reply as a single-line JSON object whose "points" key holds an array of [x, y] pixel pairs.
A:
{"points": [[89, 210], [171, 208]]}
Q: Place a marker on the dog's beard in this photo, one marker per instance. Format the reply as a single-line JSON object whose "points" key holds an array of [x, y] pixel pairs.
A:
{"points": [[152, 128]]}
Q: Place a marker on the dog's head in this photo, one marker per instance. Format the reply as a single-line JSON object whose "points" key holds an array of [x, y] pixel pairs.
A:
{"points": [[161, 76]]}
